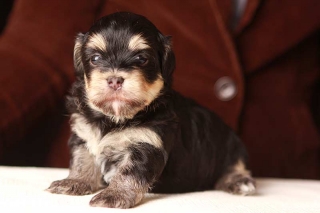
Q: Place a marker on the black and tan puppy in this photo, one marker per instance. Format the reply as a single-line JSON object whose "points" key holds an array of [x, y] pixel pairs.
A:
{"points": [[131, 133]]}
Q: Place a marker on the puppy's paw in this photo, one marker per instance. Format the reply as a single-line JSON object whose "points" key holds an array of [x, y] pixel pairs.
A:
{"points": [[70, 187], [116, 199], [242, 186]]}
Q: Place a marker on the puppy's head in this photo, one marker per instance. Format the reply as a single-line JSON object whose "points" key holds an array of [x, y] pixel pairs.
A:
{"points": [[125, 63]]}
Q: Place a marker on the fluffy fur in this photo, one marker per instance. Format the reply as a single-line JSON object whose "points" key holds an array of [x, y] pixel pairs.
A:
{"points": [[131, 133]]}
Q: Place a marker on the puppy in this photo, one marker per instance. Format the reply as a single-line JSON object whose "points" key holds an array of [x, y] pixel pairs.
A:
{"points": [[131, 133]]}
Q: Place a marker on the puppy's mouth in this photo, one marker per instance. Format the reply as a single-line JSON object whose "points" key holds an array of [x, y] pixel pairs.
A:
{"points": [[117, 95], [119, 104], [117, 100], [123, 101], [118, 107]]}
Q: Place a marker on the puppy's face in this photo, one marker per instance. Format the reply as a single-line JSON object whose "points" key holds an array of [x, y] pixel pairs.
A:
{"points": [[124, 63]]}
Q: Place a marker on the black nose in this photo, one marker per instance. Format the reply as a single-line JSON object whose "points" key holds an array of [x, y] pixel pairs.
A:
{"points": [[115, 82]]}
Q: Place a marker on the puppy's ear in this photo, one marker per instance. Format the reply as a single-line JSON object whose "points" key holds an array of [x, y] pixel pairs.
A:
{"points": [[77, 58], [168, 61]]}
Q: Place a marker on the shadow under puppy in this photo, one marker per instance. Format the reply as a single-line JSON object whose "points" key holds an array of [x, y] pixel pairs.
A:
{"points": [[131, 133]]}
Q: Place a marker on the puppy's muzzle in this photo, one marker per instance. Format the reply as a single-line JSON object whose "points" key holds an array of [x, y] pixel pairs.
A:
{"points": [[115, 83]]}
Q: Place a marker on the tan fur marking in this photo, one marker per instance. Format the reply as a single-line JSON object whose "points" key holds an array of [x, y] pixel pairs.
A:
{"points": [[85, 81], [77, 54], [153, 89], [97, 41], [240, 168], [137, 42]]}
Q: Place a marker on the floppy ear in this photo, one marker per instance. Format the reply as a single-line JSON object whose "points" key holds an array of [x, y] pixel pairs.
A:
{"points": [[77, 58], [168, 61]]}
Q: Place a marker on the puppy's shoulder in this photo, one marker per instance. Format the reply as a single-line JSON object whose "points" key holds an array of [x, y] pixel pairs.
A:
{"points": [[182, 104]]}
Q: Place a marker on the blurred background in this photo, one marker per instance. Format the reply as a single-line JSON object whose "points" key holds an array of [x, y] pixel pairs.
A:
{"points": [[5, 6]]}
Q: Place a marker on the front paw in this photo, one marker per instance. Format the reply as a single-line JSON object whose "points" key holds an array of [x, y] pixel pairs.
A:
{"points": [[116, 199], [70, 187]]}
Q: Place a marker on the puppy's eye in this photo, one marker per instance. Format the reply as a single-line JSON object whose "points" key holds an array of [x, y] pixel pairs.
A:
{"points": [[141, 60], [95, 58]]}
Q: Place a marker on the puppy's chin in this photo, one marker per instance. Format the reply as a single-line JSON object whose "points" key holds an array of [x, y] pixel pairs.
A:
{"points": [[118, 109]]}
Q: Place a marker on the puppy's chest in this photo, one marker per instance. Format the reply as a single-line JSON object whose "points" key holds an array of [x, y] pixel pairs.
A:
{"points": [[90, 134], [119, 140], [94, 138]]}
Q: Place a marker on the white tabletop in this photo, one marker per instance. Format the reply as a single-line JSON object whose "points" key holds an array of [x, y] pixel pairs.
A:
{"points": [[22, 190]]}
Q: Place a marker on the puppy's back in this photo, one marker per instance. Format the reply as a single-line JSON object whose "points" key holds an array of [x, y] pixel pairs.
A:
{"points": [[204, 148]]}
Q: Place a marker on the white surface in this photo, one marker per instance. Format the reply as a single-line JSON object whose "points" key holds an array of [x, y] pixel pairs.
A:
{"points": [[22, 190]]}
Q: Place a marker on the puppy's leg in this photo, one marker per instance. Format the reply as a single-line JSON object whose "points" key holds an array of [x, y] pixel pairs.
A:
{"points": [[139, 167], [84, 176], [237, 180]]}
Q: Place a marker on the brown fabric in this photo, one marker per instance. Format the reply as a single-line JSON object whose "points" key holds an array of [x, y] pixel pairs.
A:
{"points": [[280, 54], [273, 58]]}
